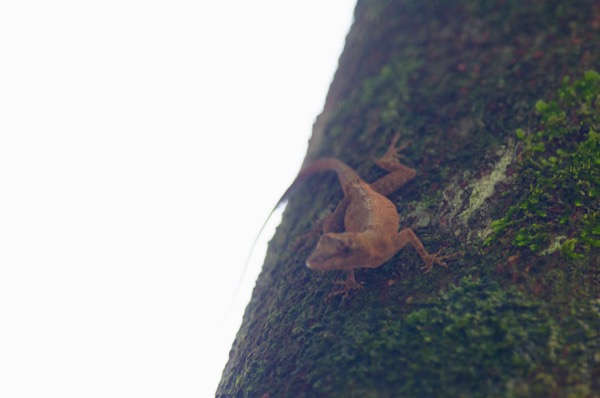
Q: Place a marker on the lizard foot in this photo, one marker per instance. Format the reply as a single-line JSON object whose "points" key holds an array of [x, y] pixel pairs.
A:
{"points": [[437, 259], [390, 161], [393, 151], [349, 285]]}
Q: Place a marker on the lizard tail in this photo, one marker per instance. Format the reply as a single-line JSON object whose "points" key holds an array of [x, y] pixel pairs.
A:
{"points": [[345, 174]]}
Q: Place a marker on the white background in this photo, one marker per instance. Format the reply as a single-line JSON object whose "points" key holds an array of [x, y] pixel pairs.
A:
{"points": [[142, 145]]}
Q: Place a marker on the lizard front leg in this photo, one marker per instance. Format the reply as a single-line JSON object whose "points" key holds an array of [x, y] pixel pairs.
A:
{"points": [[407, 236], [348, 285]]}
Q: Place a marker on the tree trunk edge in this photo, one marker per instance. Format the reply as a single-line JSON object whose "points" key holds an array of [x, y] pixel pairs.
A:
{"points": [[463, 81]]}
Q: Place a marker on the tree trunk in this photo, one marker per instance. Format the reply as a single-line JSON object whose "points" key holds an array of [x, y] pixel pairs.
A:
{"points": [[501, 105]]}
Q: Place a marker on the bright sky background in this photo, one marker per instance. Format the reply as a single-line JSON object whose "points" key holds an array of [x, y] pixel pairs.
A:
{"points": [[142, 145]]}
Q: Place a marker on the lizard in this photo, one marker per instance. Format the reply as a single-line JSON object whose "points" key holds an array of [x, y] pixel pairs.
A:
{"points": [[363, 231]]}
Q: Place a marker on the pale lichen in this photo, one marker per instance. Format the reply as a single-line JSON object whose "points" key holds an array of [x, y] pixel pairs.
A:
{"points": [[485, 186]]}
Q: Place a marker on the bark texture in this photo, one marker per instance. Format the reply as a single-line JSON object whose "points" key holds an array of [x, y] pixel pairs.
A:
{"points": [[500, 100]]}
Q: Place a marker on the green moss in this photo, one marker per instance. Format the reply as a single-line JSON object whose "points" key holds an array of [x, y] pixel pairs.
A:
{"points": [[379, 104], [467, 342], [560, 163], [389, 91]]}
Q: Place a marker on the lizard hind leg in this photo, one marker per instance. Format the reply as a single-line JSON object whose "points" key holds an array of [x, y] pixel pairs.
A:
{"points": [[334, 222], [399, 174], [389, 161]]}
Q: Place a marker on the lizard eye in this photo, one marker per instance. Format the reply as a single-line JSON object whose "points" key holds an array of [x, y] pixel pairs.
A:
{"points": [[340, 245], [345, 245], [336, 243]]}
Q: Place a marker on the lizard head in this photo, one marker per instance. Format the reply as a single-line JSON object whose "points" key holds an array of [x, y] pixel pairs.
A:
{"points": [[341, 251]]}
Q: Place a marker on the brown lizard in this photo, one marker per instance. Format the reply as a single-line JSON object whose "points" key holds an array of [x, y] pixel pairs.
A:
{"points": [[362, 232]]}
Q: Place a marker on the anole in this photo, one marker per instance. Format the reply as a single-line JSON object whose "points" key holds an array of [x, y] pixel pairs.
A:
{"points": [[362, 232]]}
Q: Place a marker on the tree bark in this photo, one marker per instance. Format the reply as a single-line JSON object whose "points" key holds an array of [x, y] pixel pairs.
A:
{"points": [[501, 104]]}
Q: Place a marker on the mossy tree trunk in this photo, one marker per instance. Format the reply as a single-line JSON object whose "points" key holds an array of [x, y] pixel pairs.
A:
{"points": [[501, 104]]}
